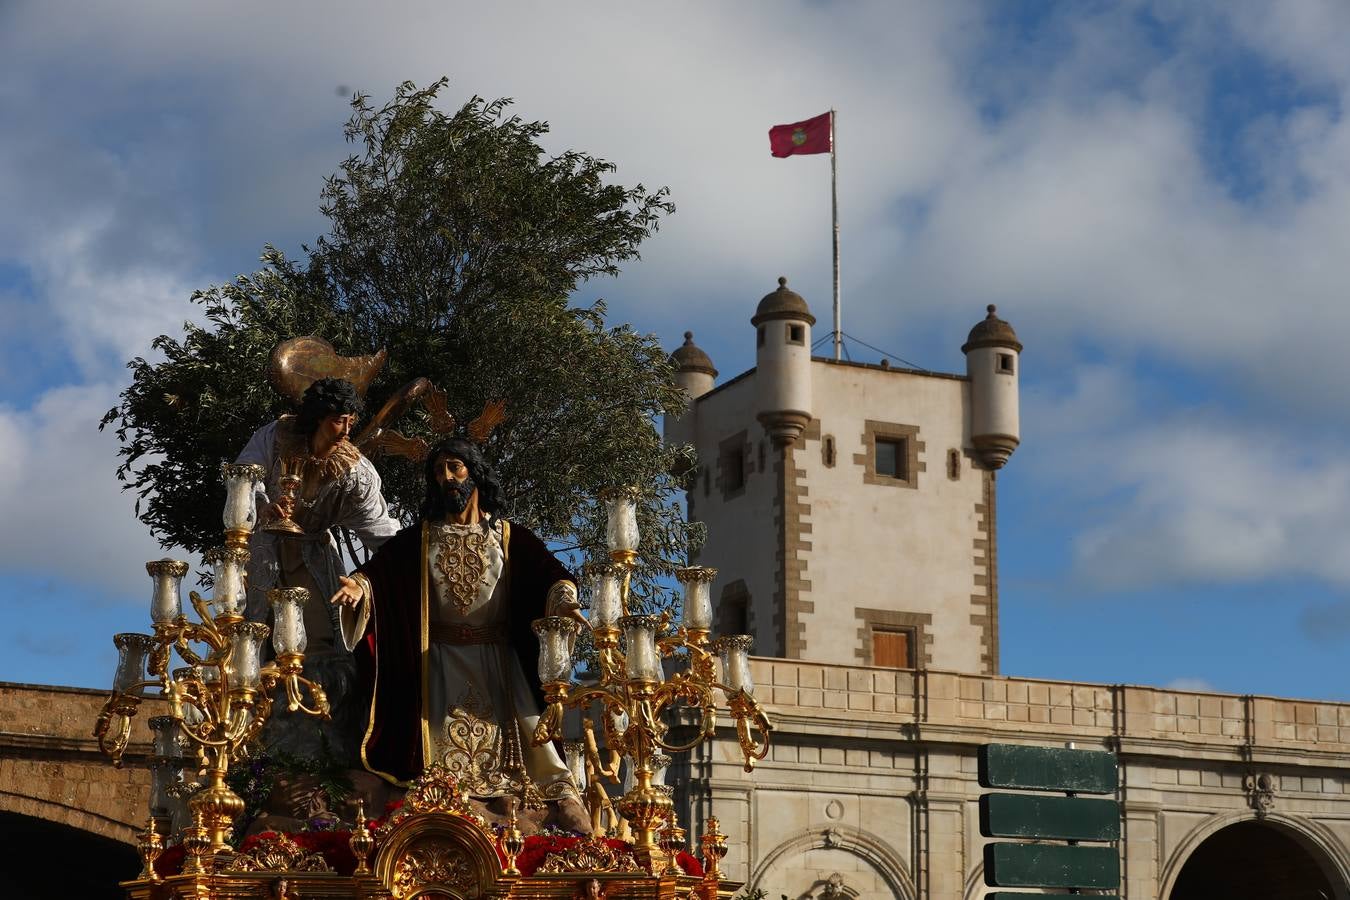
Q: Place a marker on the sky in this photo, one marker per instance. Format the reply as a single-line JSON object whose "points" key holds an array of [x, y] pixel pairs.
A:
{"points": [[1155, 195]]}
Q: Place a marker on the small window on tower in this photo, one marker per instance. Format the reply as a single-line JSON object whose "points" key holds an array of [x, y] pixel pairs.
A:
{"points": [[732, 462], [796, 334], [954, 464], [891, 457], [1005, 363], [759, 336], [891, 648], [733, 472], [827, 451], [893, 454]]}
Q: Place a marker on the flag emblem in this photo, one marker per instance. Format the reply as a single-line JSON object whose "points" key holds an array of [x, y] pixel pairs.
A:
{"points": [[810, 136]]}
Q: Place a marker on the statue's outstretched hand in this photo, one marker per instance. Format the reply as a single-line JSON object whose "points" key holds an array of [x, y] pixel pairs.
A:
{"points": [[281, 509], [350, 594], [562, 601]]}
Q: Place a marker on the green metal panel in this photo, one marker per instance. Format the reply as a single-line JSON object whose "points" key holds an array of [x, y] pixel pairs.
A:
{"points": [[1048, 769], [1065, 818], [1051, 865]]}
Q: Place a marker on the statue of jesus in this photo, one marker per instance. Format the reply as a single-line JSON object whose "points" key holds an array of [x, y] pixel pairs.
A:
{"points": [[442, 613]]}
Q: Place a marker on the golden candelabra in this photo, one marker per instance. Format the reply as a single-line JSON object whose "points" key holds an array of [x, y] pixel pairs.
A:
{"points": [[633, 686], [219, 703]]}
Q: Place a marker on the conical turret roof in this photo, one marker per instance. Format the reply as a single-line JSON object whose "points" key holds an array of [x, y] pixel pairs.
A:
{"points": [[690, 358], [783, 304], [992, 332]]}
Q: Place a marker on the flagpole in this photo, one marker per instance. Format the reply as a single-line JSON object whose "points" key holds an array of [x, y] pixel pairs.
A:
{"points": [[834, 208]]}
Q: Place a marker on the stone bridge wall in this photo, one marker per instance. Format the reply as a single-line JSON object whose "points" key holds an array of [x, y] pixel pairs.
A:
{"points": [[51, 767]]}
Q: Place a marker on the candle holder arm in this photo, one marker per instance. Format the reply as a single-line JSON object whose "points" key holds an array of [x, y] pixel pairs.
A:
{"points": [[113, 726], [747, 712]]}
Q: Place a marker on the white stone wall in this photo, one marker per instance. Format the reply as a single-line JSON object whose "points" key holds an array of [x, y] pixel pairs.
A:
{"points": [[887, 547], [875, 546], [882, 788], [741, 538], [996, 409]]}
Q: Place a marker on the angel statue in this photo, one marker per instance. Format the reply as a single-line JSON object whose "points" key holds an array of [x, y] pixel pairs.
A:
{"points": [[319, 485]]}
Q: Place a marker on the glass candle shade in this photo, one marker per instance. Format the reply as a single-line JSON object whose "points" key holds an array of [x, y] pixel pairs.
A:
{"points": [[734, 650], [618, 727], [241, 512], [166, 744], [132, 650], [606, 594], [288, 619], [575, 754], [246, 643], [621, 529], [697, 582], [557, 635], [642, 662], [180, 814], [162, 777], [166, 601], [227, 589]]}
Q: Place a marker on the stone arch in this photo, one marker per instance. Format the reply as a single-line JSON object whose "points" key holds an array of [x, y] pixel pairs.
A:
{"points": [[44, 846], [975, 887], [865, 845], [80, 819], [1315, 838]]}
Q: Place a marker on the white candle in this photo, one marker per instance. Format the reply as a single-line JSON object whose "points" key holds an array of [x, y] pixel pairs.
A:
{"points": [[697, 581], [621, 528], [166, 600], [227, 590], [606, 594], [288, 619], [246, 641], [132, 649], [642, 662], [240, 512], [734, 650]]}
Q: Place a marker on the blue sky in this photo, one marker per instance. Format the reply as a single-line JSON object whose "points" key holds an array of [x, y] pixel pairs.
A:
{"points": [[1156, 195]]}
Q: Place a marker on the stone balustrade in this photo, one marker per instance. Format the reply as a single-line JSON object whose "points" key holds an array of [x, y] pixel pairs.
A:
{"points": [[866, 700]]}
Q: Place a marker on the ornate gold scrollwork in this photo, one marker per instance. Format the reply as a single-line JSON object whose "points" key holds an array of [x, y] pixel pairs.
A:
{"points": [[437, 790], [429, 863], [278, 854], [589, 855]]}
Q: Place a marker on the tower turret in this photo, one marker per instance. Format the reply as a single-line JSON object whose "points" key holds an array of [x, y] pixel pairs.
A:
{"points": [[694, 370], [783, 363], [695, 374], [992, 360]]}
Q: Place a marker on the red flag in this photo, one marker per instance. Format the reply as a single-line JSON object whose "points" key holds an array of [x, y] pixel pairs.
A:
{"points": [[811, 136]]}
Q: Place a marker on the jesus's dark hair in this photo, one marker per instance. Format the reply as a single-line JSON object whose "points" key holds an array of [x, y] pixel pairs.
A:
{"points": [[326, 397], [491, 496]]}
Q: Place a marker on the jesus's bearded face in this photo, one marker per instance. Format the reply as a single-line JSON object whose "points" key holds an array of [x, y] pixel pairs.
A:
{"points": [[457, 487]]}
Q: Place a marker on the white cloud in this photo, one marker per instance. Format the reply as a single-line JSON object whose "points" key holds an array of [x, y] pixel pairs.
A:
{"points": [[65, 513], [164, 141], [1185, 496]]}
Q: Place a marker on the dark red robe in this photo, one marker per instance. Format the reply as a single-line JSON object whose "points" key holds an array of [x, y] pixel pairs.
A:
{"points": [[392, 658]]}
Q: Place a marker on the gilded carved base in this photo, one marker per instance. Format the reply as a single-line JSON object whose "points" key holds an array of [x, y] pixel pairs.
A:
{"points": [[434, 847]]}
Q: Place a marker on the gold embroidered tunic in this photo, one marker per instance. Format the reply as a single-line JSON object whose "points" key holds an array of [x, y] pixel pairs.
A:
{"points": [[481, 709]]}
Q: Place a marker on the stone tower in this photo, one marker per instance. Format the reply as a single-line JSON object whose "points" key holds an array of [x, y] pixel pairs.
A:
{"points": [[991, 365], [783, 363], [850, 506]]}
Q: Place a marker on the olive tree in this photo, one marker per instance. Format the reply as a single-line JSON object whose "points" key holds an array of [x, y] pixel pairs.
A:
{"points": [[456, 243]]}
